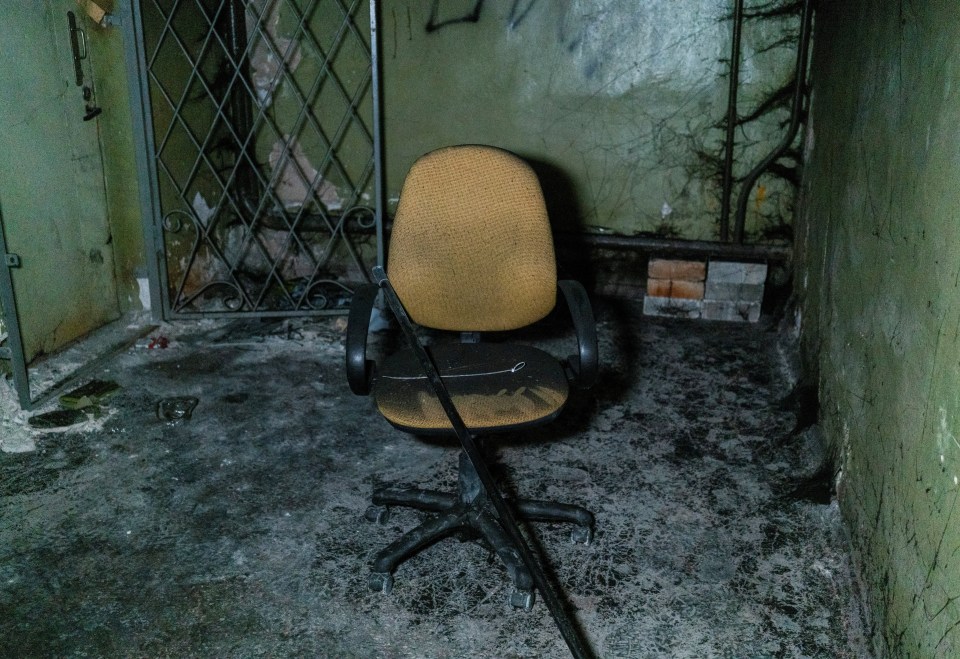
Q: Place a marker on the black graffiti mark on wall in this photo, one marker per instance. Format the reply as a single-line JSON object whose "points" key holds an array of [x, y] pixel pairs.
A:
{"points": [[570, 31], [434, 23], [519, 10], [517, 16]]}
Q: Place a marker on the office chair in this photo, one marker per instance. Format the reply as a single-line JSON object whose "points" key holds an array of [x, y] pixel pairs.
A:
{"points": [[471, 252]]}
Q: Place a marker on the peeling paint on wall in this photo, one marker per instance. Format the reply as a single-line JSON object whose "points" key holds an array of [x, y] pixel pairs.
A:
{"points": [[271, 52]]}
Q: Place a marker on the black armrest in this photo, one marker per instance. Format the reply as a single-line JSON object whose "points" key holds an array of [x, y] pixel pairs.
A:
{"points": [[359, 368], [584, 364]]}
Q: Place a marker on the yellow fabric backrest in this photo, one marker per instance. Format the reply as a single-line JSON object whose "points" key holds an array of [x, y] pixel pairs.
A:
{"points": [[470, 248]]}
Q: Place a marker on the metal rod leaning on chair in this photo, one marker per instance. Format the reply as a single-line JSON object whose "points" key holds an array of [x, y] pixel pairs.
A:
{"points": [[550, 597]]}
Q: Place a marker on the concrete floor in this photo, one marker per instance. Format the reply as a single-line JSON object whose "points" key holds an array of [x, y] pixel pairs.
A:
{"points": [[240, 532]]}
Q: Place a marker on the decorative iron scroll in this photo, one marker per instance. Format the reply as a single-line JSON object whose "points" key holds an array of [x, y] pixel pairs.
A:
{"points": [[264, 152]]}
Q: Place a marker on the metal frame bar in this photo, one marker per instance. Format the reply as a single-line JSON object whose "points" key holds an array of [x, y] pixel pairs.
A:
{"points": [[8, 299], [732, 92], [677, 247], [378, 169], [796, 111], [800, 74], [142, 116]]}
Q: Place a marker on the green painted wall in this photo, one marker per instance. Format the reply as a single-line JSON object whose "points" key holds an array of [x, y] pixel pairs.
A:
{"points": [[620, 104], [115, 131], [880, 283]]}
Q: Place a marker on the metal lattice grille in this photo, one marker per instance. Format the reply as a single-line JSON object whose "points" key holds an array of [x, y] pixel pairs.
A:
{"points": [[263, 152]]}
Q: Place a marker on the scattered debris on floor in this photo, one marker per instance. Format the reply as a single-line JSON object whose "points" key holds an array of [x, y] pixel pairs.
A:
{"points": [[92, 394], [85, 403], [241, 532], [177, 409], [159, 342], [57, 419]]}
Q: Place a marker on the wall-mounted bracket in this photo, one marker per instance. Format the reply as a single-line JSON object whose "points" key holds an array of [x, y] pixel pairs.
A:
{"points": [[12, 260]]}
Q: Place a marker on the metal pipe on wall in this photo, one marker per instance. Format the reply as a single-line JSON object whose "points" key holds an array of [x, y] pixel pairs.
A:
{"points": [[141, 116], [731, 120], [796, 112], [661, 246], [675, 247]]}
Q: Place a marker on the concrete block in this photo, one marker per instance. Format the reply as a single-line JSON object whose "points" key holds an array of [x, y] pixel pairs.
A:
{"points": [[730, 311], [677, 270], [673, 307], [736, 292], [688, 290], [731, 272]]}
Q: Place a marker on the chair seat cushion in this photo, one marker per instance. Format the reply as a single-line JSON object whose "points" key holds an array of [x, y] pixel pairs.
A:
{"points": [[493, 386]]}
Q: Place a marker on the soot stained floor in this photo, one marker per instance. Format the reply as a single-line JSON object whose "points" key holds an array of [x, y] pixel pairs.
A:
{"points": [[240, 532]]}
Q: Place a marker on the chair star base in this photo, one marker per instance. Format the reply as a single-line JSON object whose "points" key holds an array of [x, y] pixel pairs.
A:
{"points": [[470, 513]]}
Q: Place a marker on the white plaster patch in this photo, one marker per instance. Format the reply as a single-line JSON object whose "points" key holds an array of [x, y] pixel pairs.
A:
{"points": [[143, 291], [272, 53], [809, 136], [947, 446], [202, 209], [946, 440], [16, 437], [844, 465]]}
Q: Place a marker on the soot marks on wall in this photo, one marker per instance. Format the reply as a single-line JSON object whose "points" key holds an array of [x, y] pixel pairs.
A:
{"points": [[438, 21], [623, 97], [519, 11], [567, 32]]}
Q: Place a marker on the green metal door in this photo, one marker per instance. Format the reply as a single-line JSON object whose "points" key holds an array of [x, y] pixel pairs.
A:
{"points": [[52, 196]]}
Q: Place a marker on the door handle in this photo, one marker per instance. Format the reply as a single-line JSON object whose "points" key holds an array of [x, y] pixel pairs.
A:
{"points": [[78, 44]]}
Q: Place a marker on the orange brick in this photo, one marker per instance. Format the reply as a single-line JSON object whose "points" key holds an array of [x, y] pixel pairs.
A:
{"points": [[659, 287], [687, 290], [677, 270]]}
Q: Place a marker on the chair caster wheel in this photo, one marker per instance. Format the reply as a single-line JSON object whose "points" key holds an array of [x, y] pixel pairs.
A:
{"points": [[378, 514], [581, 535], [522, 599], [380, 582]]}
